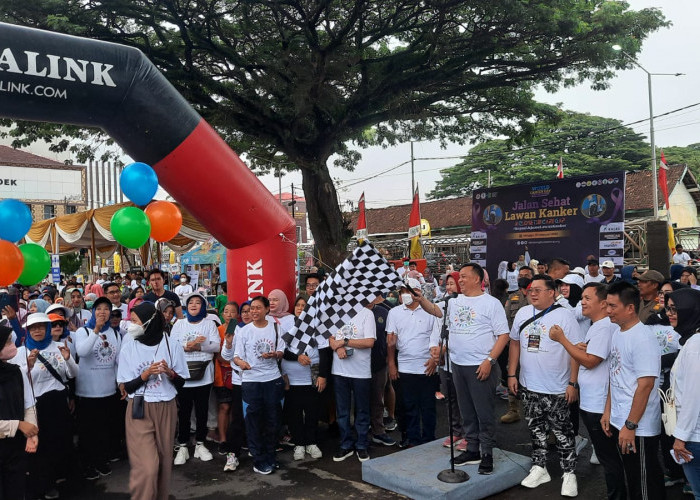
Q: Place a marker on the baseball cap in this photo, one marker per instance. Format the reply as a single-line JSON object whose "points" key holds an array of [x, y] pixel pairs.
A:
{"points": [[578, 270], [608, 263], [573, 279], [57, 317], [652, 275]]}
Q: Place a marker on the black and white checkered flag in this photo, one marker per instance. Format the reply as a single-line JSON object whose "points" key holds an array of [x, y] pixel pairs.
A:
{"points": [[351, 286]]}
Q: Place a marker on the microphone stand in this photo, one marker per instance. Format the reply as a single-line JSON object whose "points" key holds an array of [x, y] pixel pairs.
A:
{"points": [[450, 475]]}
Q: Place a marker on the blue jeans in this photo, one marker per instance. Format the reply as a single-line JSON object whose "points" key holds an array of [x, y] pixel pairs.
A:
{"points": [[418, 393], [263, 417], [345, 387], [692, 469]]}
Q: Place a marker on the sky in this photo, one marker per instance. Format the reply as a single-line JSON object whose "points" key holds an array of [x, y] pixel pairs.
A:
{"points": [[670, 50]]}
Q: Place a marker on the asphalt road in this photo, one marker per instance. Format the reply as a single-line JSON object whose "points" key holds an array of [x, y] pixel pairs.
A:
{"points": [[312, 479]]}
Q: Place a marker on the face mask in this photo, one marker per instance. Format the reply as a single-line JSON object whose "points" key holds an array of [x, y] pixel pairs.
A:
{"points": [[8, 352], [523, 282], [392, 300], [135, 330], [407, 299], [88, 304]]}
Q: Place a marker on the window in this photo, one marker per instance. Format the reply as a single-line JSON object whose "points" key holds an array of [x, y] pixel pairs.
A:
{"points": [[299, 234], [71, 209], [49, 211]]}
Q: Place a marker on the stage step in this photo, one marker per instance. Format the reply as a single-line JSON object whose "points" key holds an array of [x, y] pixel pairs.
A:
{"points": [[413, 473]]}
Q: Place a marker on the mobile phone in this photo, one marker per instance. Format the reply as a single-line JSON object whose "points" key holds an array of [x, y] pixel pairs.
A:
{"points": [[231, 328], [11, 300]]}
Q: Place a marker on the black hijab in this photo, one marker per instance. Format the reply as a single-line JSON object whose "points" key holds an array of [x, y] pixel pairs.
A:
{"points": [[11, 387], [153, 331], [687, 303]]}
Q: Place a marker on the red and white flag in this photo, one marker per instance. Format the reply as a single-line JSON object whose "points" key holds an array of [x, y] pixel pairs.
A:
{"points": [[414, 227], [662, 178], [361, 232], [560, 169]]}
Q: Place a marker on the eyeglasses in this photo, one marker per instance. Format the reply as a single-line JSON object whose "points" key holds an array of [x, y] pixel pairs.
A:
{"points": [[671, 310], [537, 290], [312, 285]]}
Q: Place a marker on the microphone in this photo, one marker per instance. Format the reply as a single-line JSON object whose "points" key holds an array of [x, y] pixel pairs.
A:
{"points": [[446, 298]]}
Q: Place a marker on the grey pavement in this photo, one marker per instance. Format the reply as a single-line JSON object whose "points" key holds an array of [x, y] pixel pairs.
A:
{"points": [[324, 478]]}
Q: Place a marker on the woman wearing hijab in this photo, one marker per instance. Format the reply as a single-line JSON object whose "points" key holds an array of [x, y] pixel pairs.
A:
{"points": [[244, 314], [151, 370], [97, 345], [279, 310], [683, 310], [200, 340], [36, 305], [124, 324], [18, 430], [51, 365]]}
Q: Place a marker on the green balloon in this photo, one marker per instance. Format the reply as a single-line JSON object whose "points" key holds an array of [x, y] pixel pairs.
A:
{"points": [[131, 227], [37, 264]]}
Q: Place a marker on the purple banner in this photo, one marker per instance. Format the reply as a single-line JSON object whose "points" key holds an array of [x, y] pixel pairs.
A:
{"points": [[569, 218]]}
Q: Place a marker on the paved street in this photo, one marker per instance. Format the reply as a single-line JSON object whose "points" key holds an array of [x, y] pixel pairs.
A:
{"points": [[324, 478]]}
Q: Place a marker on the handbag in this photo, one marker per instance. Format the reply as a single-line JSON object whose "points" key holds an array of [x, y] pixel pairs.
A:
{"points": [[226, 375], [137, 407], [668, 415], [197, 369]]}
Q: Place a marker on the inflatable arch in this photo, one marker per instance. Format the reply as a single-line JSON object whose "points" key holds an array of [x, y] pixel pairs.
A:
{"points": [[59, 78]]}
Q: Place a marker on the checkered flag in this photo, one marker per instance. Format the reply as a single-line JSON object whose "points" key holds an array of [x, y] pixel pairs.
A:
{"points": [[351, 286]]}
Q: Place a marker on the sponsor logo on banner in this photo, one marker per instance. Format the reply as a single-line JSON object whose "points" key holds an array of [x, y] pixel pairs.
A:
{"points": [[479, 249], [613, 252], [612, 236], [612, 227], [479, 242], [605, 245]]}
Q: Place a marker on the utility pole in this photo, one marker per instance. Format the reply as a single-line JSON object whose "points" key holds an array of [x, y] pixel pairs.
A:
{"points": [[413, 180], [279, 177]]}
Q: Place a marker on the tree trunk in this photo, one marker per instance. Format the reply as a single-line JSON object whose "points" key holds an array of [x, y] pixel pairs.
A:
{"points": [[325, 218]]}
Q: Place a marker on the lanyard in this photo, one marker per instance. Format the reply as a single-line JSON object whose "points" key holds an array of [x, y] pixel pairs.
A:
{"points": [[545, 312]]}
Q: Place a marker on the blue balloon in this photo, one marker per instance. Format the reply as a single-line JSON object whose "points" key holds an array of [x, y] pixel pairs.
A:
{"points": [[139, 183], [15, 220]]}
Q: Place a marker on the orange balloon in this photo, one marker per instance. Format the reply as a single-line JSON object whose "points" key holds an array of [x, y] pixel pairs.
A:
{"points": [[11, 263], [166, 220]]}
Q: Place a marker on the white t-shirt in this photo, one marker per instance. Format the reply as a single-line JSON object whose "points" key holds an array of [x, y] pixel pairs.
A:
{"points": [[41, 377], [135, 357], [593, 279], [80, 317], [299, 374], [512, 279], [681, 258], [183, 332], [684, 377], [594, 382], [97, 377], [633, 354], [29, 400], [545, 368], [475, 323], [361, 326], [250, 343], [183, 291], [416, 332]]}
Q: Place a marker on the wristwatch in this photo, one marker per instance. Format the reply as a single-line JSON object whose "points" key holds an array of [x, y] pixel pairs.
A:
{"points": [[345, 342], [491, 360], [574, 385], [631, 425]]}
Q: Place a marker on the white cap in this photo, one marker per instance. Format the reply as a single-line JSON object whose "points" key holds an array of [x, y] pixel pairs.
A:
{"points": [[413, 283], [35, 318], [67, 313], [608, 263], [579, 271], [197, 294], [573, 279]]}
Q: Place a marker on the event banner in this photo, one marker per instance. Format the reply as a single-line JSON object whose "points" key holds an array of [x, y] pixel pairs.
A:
{"points": [[569, 218]]}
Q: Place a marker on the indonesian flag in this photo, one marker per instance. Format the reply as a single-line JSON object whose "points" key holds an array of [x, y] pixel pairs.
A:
{"points": [[414, 226], [662, 178], [361, 232], [560, 169]]}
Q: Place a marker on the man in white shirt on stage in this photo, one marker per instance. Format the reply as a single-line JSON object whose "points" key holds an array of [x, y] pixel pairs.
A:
{"points": [[478, 334]]}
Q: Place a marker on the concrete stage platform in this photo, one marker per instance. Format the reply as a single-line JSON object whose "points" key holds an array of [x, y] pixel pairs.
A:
{"points": [[413, 473]]}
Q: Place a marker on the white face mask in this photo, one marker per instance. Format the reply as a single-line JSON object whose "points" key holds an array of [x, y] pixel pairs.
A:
{"points": [[8, 352], [135, 330], [407, 299]]}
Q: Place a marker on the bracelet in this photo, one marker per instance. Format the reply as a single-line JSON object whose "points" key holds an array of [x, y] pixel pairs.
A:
{"points": [[511, 376]]}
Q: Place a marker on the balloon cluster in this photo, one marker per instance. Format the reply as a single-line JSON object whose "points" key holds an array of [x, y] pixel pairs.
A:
{"points": [[131, 226], [28, 263]]}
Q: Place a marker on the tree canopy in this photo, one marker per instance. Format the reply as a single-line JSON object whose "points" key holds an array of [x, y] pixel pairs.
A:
{"points": [[307, 78], [585, 144]]}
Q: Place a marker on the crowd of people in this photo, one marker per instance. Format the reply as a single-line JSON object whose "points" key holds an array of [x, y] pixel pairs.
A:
{"points": [[126, 366]]}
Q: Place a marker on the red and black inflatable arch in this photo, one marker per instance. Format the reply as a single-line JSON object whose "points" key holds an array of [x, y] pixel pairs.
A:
{"points": [[59, 78]]}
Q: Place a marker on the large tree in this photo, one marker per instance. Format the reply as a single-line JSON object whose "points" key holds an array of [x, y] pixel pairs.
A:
{"points": [[585, 144], [307, 78]]}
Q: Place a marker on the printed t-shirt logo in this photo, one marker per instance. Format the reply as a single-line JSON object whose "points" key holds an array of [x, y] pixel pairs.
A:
{"points": [[262, 346], [54, 359], [152, 382], [665, 339], [463, 317], [104, 354], [615, 361], [348, 331]]}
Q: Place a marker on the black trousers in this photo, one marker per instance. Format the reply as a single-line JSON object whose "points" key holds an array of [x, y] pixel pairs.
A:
{"points": [[13, 467], [606, 451], [55, 456], [98, 426], [187, 398], [645, 478], [302, 404], [235, 434]]}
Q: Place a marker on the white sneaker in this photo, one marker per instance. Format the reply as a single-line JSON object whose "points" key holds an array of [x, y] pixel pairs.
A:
{"points": [[314, 451], [201, 452], [299, 453], [231, 462], [594, 458], [569, 487], [538, 475], [580, 443], [182, 455]]}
